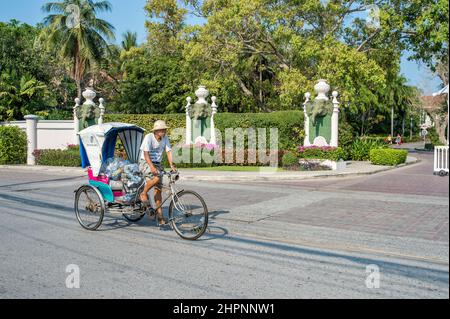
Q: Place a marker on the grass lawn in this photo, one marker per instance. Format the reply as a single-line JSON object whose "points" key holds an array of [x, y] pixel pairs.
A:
{"points": [[232, 169]]}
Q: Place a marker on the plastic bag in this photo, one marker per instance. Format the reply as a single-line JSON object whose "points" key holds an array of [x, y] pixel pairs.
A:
{"points": [[132, 175], [114, 168], [131, 169]]}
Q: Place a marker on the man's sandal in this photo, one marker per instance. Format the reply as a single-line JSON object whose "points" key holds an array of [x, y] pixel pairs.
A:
{"points": [[161, 221]]}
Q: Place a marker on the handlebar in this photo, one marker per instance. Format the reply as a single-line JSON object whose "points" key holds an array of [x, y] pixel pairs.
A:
{"points": [[174, 174]]}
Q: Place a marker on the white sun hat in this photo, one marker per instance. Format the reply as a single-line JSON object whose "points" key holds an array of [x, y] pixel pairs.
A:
{"points": [[159, 125]]}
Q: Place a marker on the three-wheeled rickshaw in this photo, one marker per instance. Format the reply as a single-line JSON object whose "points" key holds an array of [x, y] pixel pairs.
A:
{"points": [[119, 192]]}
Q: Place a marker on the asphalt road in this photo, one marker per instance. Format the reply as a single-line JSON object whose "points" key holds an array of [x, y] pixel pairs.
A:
{"points": [[309, 239]]}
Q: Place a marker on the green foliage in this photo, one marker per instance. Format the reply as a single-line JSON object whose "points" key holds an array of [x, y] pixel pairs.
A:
{"points": [[13, 145], [428, 25], [69, 157], [433, 137], [22, 97], [361, 148], [129, 40], [27, 73], [63, 115], [151, 84], [289, 159], [346, 137], [325, 153], [288, 123], [78, 35], [388, 157]]}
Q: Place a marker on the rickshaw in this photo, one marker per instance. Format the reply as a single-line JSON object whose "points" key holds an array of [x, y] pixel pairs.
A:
{"points": [[188, 213]]}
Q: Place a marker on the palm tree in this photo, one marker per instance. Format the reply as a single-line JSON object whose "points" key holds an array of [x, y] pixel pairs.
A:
{"points": [[129, 40], [74, 30]]}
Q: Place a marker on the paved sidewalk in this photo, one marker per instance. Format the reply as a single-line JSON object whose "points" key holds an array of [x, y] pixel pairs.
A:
{"points": [[265, 174]]}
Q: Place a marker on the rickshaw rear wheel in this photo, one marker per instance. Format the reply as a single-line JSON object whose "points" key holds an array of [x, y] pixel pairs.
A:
{"points": [[89, 207]]}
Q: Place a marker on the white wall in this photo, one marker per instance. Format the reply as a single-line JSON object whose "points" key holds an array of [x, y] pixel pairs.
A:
{"points": [[50, 134]]}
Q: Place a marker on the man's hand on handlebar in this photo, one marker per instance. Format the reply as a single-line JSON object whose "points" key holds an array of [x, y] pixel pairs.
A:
{"points": [[154, 170]]}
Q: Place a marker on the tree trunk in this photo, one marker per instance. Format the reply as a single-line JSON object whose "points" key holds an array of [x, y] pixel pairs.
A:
{"points": [[78, 72], [441, 125], [403, 126], [392, 122], [411, 129], [79, 89]]}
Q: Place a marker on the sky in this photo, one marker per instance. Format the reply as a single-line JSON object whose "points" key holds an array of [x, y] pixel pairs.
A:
{"points": [[129, 15]]}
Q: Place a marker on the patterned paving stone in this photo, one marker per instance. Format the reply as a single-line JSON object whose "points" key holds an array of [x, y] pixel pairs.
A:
{"points": [[373, 216]]}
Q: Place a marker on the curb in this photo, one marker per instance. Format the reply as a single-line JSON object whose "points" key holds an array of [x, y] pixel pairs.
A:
{"points": [[224, 177]]}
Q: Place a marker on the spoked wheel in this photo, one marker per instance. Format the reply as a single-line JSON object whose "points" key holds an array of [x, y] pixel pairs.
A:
{"points": [[188, 215], [89, 207]]}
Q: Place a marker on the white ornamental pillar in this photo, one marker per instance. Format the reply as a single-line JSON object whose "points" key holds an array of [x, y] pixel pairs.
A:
{"points": [[102, 110], [306, 141], [188, 122], [335, 121], [76, 121], [31, 123], [213, 128]]}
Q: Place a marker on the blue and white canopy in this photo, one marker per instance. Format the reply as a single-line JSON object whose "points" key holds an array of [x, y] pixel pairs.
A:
{"points": [[98, 142]]}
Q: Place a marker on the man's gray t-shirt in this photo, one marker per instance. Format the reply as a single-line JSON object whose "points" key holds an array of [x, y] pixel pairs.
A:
{"points": [[155, 148]]}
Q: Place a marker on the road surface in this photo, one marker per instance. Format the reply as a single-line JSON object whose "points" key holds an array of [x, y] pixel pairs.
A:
{"points": [[307, 239]]}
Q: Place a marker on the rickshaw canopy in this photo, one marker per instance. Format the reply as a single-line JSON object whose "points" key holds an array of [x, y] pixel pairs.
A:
{"points": [[98, 142]]}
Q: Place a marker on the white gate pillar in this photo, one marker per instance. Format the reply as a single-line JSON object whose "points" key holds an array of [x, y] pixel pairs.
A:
{"points": [[76, 121], [188, 122], [31, 123], [306, 141], [212, 125], [335, 121]]}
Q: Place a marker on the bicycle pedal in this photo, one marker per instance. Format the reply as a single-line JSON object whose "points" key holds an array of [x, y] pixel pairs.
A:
{"points": [[151, 212]]}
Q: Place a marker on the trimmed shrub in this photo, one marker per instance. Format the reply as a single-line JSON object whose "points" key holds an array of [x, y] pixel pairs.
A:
{"points": [[388, 157], [289, 159], [325, 153], [69, 157], [13, 145]]}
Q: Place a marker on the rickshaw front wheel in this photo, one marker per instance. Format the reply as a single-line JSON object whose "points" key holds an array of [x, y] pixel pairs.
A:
{"points": [[89, 207]]}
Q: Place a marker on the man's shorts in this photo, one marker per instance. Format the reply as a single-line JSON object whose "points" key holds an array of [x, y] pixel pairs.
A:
{"points": [[147, 172]]}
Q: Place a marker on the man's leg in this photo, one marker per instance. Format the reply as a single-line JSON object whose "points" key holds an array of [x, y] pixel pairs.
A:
{"points": [[148, 185], [158, 200]]}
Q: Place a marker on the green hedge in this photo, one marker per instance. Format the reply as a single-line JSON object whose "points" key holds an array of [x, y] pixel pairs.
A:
{"points": [[13, 145], [289, 124], [325, 153], [217, 157], [388, 157], [69, 157]]}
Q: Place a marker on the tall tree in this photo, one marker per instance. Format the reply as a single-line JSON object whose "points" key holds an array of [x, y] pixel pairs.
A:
{"points": [[74, 28], [129, 40]]}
